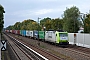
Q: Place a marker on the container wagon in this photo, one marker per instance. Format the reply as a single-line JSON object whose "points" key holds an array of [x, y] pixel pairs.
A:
{"points": [[35, 34], [21, 32], [42, 35], [24, 32], [27, 33], [10, 31], [13, 31], [18, 32], [31, 34]]}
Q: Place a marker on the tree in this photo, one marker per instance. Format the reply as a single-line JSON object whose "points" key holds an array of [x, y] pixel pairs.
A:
{"points": [[17, 26], [87, 24], [11, 27], [46, 22], [57, 23], [25, 25], [1, 17], [71, 23]]}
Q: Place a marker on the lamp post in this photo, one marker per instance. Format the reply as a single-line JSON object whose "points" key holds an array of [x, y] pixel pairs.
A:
{"points": [[38, 32], [44, 32], [82, 18]]}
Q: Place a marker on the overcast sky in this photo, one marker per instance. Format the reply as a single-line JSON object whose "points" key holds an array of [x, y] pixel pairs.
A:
{"points": [[19, 10]]}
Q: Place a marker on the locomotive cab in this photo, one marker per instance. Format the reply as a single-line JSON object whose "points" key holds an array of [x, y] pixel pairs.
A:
{"points": [[62, 38]]}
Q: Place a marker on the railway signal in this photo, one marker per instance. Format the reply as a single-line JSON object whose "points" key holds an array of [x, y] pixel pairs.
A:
{"points": [[3, 45], [75, 38]]}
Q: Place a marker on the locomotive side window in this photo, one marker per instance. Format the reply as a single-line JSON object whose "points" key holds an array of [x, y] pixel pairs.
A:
{"points": [[50, 34], [56, 34], [31, 32]]}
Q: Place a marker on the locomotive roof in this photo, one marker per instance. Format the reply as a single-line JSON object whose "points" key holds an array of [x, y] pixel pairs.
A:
{"points": [[56, 30]]}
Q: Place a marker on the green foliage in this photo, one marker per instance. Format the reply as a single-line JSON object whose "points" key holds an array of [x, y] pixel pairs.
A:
{"points": [[11, 27], [1, 17], [43, 21], [25, 25], [33, 25], [57, 24], [71, 24], [52, 23], [46, 22], [87, 24], [17, 25]]}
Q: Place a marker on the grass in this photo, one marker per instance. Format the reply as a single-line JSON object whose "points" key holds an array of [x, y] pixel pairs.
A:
{"points": [[2, 55], [8, 55], [18, 37], [42, 46], [56, 53], [60, 55]]}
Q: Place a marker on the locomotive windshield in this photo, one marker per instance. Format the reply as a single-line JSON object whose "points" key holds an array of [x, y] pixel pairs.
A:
{"points": [[63, 36], [60, 30]]}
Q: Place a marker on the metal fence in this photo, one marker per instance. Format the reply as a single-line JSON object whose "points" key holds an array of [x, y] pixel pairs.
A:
{"points": [[79, 39]]}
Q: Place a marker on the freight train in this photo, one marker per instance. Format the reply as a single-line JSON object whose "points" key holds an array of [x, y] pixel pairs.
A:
{"points": [[58, 37]]}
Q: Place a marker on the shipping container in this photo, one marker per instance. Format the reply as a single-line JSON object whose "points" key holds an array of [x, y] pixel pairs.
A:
{"points": [[21, 32], [31, 34], [42, 35], [27, 33], [7, 30], [18, 32], [35, 34], [13, 31], [24, 33], [10, 31]]}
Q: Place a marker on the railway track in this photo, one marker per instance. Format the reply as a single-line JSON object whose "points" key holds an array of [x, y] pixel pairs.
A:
{"points": [[15, 52], [21, 52], [81, 49], [43, 52], [46, 54], [82, 52], [73, 52], [77, 55]]}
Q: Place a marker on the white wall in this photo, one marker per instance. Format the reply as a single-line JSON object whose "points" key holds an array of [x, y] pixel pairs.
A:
{"points": [[81, 39]]}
